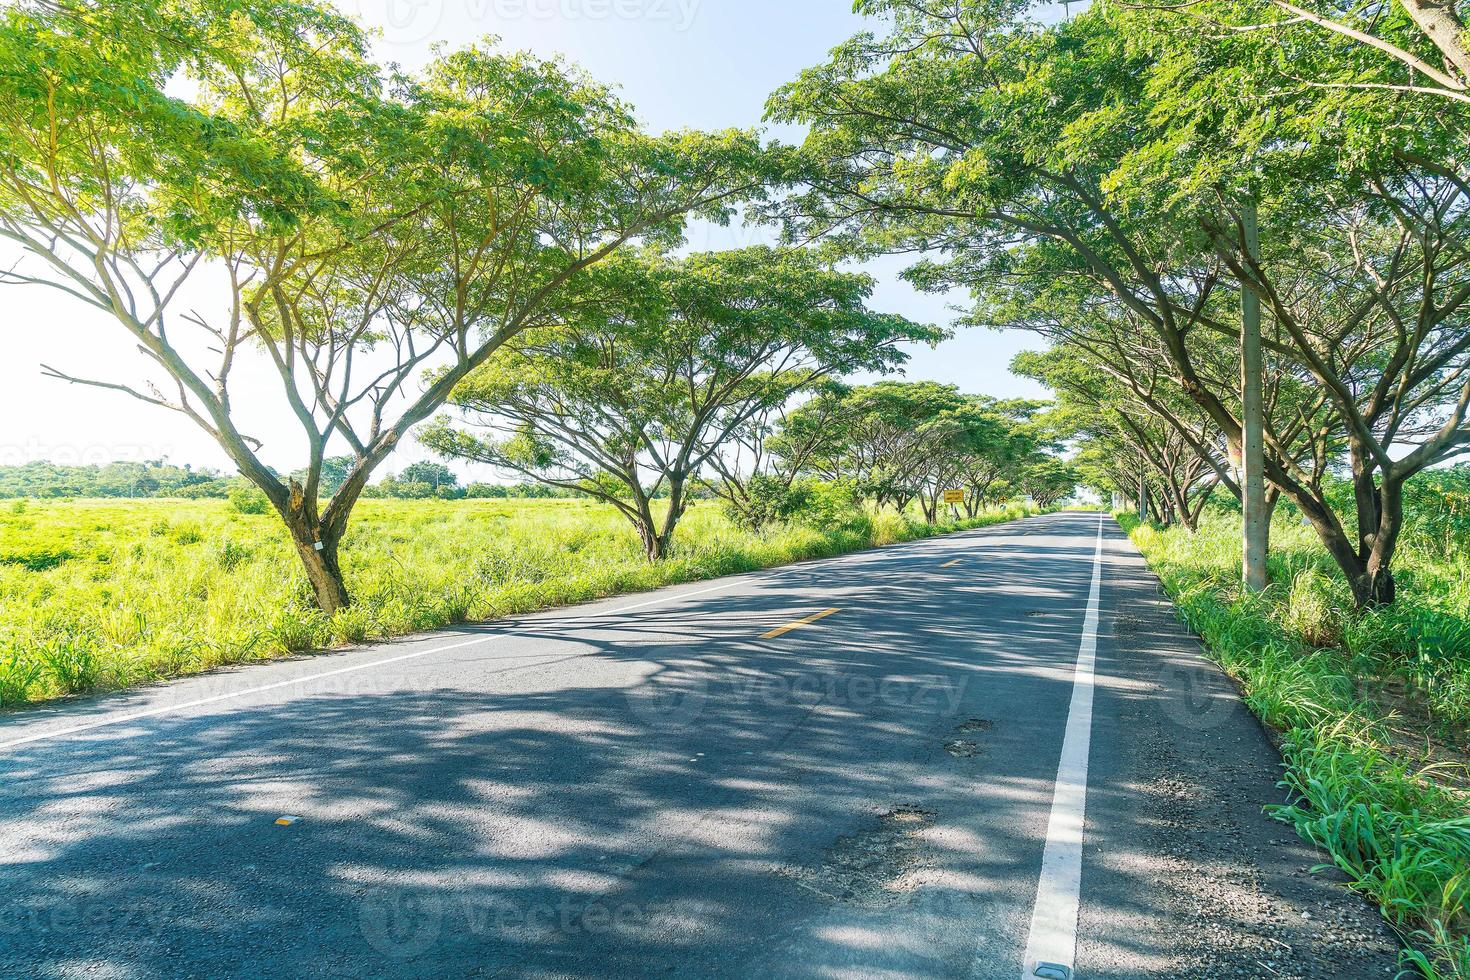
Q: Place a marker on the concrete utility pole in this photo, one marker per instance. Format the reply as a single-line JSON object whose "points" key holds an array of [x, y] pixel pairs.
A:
{"points": [[1143, 498], [1253, 442]]}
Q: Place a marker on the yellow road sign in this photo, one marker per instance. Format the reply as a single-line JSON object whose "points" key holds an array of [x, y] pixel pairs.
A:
{"points": [[954, 496]]}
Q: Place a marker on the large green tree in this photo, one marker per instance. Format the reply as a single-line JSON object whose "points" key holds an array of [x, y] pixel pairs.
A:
{"points": [[966, 446], [349, 228], [1113, 160], [1049, 481], [637, 390]]}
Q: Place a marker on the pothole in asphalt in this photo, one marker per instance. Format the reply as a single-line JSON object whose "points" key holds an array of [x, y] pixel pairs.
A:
{"points": [[876, 867], [965, 745]]}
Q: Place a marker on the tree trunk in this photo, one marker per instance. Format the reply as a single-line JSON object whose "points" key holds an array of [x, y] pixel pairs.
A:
{"points": [[325, 574], [655, 547], [1374, 588], [317, 548], [655, 541], [1273, 498], [317, 536], [642, 519], [1178, 502], [1155, 507], [678, 503], [1367, 567], [1195, 509]]}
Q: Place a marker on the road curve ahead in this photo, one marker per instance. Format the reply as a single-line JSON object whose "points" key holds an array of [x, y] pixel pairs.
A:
{"points": [[951, 758]]}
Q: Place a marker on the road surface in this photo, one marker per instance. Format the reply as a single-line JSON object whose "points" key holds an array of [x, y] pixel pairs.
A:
{"points": [[873, 765]]}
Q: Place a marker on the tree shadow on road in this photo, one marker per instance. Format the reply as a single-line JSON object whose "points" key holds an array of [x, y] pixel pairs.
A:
{"points": [[651, 793]]}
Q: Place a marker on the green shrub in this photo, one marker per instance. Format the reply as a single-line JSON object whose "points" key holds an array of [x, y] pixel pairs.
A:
{"points": [[37, 558], [885, 527], [231, 554], [352, 625], [1437, 509], [70, 664], [836, 507], [17, 676], [770, 500], [297, 629], [205, 490], [1313, 610], [246, 499], [186, 534]]}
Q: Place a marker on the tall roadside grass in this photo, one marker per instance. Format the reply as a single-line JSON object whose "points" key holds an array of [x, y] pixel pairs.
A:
{"points": [[1371, 709], [99, 595]]}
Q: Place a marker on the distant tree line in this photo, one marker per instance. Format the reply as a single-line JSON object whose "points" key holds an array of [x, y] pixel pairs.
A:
{"points": [[153, 478], [159, 478], [710, 417], [893, 443], [435, 481]]}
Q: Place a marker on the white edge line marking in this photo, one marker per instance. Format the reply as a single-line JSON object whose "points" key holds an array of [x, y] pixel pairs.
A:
{"points": [[111, 720], [1053, 936]]}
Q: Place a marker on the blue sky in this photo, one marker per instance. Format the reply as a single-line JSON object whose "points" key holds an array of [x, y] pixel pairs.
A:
{"points": [[682, 63]]}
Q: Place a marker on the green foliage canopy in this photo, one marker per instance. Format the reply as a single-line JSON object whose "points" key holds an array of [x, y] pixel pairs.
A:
{"points": [[661, 363]]}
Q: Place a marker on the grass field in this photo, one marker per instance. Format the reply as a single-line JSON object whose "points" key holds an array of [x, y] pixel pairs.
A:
{"points": [[1372, 709], [97, 595]]}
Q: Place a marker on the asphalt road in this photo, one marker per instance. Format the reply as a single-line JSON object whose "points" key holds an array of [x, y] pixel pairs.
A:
{"points": [[842, 768]]}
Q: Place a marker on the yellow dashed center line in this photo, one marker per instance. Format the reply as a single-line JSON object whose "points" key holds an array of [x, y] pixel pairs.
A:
{"points": [[780, 630], [951, 564]]}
